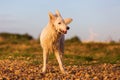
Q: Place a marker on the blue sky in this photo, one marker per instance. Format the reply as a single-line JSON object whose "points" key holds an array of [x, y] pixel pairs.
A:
{"points": [[92, 19]]}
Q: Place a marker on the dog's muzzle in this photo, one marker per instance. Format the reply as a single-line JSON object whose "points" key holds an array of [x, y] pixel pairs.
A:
{"points": [[65, 31]]}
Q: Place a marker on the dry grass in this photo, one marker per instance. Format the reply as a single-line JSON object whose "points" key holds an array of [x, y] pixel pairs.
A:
{"points": [[75, 52]]}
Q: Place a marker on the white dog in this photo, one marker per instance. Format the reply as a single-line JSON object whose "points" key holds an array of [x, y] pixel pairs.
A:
{"points": [[52, 38]]}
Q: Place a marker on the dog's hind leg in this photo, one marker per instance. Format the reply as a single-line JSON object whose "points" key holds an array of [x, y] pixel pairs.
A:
{"points": [[45, 60], [61, 46], [57, 54]]}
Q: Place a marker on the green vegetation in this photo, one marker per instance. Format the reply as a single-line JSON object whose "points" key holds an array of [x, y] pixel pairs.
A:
{"points": [[73, 39], [14, 38], [24, 47]]}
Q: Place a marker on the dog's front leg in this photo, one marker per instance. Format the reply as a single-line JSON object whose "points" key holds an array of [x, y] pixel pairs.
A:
{"points": [[57, 54], [45, 60]]}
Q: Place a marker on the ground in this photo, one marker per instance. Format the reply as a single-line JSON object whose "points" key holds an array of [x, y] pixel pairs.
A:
{"points": [[21, 59], [22, 70]]}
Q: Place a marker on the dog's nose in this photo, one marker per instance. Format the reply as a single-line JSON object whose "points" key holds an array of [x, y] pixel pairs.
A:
{"points": [[68, 28]]}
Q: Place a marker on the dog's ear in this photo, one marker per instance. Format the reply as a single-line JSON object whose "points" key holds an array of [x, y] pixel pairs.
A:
{"points": [[58, 13], [68, 20], [51, 16]]}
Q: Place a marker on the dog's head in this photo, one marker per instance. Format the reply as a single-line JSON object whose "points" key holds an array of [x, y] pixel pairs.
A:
{"points": [[59, 23]]}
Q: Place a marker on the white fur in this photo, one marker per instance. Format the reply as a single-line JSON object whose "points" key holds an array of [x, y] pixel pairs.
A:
{"points": [[52, 38]]}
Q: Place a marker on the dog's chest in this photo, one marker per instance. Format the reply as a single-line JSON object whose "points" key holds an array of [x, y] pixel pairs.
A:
{"points": [[54, 37], [50, 36]]}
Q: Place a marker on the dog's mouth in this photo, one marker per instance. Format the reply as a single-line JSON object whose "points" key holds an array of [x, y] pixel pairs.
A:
{"points": [[64, 31]]}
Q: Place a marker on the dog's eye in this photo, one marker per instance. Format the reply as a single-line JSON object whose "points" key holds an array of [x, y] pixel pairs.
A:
{"points": [[59, 23]]}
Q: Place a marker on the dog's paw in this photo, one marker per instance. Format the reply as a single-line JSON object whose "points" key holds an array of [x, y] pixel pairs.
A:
{"points": [[64, 72]]}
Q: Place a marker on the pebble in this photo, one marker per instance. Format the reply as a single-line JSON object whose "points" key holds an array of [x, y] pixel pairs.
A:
{"points": [[18, 69]]}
